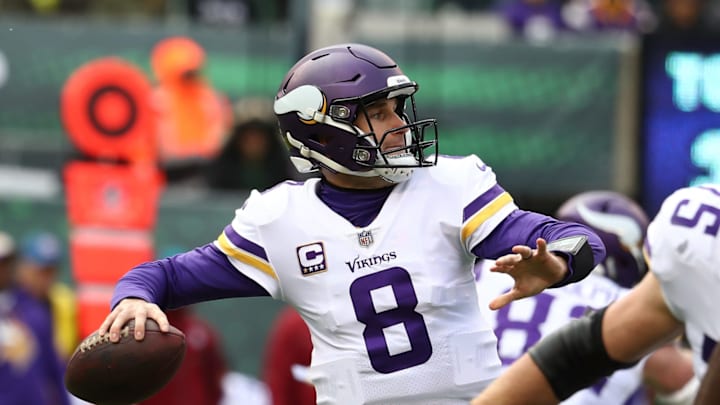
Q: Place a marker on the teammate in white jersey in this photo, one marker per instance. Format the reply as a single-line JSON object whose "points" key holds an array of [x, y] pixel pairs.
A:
{"points": [[621, 224], [680, 292], [376, 255]]}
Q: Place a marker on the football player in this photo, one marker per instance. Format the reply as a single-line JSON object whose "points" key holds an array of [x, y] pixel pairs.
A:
{"points": [[679, 293], [377, 253], [621, 224]]}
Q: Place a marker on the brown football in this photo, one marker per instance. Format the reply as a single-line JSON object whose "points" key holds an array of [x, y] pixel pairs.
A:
{"points": [[128, 371]]}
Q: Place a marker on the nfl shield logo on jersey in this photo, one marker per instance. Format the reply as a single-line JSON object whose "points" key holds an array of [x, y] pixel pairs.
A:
{"points": [[365, 238]]}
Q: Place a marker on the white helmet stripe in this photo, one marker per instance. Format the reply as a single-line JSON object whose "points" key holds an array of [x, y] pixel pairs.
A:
{"points": [[307, 101]]}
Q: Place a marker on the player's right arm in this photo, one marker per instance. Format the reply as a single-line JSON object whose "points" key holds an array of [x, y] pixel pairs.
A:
{"points": [[234, 265], [201, 274]]}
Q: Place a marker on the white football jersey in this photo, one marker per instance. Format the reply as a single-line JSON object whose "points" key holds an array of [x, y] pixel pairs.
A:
{"points": [[391, 307], [683, 249], [520, 324]]}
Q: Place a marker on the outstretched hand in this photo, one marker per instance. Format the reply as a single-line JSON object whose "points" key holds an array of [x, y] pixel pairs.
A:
{"points": [[133, 308], [533, 270]]}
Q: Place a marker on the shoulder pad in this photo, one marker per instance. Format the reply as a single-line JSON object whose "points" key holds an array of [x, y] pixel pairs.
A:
{"points": [[459, 169], [263, 208]]}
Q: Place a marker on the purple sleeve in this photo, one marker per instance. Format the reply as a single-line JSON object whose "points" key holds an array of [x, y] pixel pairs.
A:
{"points": [[201, 274], [524, 227]]}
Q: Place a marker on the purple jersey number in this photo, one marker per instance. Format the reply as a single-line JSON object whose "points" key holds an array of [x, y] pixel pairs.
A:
{"points": [[531, 327], [398, 280], [711, 229]]}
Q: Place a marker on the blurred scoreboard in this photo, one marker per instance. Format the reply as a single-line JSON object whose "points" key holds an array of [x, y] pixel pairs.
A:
{"points": [[680, 122]]}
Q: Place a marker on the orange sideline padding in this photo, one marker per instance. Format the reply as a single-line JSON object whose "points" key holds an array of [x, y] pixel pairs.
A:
{"points": [[105, 107], [93, 305], [112, 196], [103, 256]]}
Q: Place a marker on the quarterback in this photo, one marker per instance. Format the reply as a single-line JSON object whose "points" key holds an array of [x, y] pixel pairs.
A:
{"points": [[375, 254]]}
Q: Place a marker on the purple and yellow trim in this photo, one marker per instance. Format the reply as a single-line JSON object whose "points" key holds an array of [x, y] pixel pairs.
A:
{"points": [[482, 208], [239, 248]]}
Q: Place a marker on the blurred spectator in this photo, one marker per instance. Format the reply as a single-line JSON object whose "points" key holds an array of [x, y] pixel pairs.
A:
{"points": [[37, 273], [684, 17], [199, 381], [286, 361], [31, 371], [536, 20], [609, 15], [193, 119], [252, 158]]}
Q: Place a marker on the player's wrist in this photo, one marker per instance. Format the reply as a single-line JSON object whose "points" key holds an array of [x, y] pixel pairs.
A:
{"points": [[566, 273], [578, 256], [563, 266]]}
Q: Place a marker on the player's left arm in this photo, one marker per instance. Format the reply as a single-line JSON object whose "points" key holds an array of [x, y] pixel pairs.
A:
{"points": [[523, 228], [539, 251]]}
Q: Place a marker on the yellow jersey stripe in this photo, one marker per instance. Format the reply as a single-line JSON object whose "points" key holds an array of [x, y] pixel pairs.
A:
{"points": [[232, 251], [486, 212]]}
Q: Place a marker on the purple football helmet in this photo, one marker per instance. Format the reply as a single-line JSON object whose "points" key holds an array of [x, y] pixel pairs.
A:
{"points": [[620, 223], [326, 91]]}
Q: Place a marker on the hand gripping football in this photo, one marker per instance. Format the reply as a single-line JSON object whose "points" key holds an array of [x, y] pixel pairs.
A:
{"points": [[128, 371]]}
